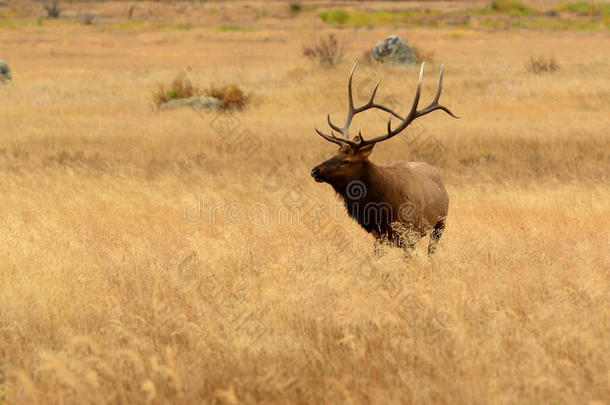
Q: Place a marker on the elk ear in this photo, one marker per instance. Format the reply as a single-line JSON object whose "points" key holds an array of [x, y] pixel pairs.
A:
{"points": [[365, 151], [344, 148]]}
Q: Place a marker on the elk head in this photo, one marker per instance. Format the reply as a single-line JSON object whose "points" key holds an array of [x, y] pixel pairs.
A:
{"points": [[351, 161]]}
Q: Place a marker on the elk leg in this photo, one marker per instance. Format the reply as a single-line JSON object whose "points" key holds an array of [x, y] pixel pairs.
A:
{"points": [[410, 242], [407, 240], [435, 235]]}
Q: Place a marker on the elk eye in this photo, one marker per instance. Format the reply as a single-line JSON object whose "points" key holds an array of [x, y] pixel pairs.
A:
{"points": [[346, 161]]}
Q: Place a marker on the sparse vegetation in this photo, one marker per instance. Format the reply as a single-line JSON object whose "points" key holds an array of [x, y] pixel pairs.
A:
{"points": [[181, 87], [514, 7], [231, 96], [541, 64], [361, 18], [585, 8], [327, 51], [172, 26], [262, 13], [128, 25], [500, 14], [233, 27]]}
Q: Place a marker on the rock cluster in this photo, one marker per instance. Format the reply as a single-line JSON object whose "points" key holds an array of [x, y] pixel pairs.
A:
{"points": [[203, 103]]}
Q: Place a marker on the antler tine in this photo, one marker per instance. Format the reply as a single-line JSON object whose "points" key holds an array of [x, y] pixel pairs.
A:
{"points": [[440, 85], [434, 105], [349, 86], [350, 113], [350, 100], [343, 131], [333, 126], [373, 94], [332, 138], [417, 93]]}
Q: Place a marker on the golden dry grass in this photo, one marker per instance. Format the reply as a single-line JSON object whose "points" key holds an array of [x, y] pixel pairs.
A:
{"points": [[108, 295]]}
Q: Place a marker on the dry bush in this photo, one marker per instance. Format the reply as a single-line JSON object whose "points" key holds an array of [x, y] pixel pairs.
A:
{"points": [[52, 9], [327, 51], [181, 87], [423, 56], [541, 64], [231, 96], [295, 7]]}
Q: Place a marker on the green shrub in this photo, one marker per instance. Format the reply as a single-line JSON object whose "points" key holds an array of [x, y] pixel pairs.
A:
{"points": [[515, 7], [335, 16]]}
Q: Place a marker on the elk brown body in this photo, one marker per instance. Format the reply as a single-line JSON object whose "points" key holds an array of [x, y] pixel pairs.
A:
{"points": [[397, 203]]}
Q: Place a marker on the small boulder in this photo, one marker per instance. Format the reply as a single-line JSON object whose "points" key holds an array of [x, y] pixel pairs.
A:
{"points": [[5, 72], [86, 19], [200, 103], [394, 50]]}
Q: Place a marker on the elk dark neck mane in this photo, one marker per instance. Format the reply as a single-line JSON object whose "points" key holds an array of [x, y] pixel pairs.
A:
{"points": [[375, 209]]}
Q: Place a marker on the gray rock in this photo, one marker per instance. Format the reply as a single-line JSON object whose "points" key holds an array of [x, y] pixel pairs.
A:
{"points": [[5, 72], [394, 50], [203, 103], [86, 19]]}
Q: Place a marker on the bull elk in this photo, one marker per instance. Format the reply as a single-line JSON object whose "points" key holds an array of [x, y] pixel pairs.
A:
{"points": [[398, 203]]}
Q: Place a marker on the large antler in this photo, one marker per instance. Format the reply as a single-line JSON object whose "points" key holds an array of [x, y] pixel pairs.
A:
{"points": [[359, 142]]}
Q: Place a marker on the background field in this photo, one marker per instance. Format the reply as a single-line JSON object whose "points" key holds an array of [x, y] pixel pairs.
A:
{"points": [[117, 286]]}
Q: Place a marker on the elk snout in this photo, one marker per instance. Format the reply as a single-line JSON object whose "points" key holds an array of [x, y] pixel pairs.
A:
{"points": [[315, 173]]}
